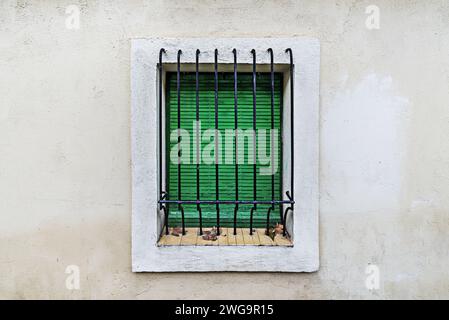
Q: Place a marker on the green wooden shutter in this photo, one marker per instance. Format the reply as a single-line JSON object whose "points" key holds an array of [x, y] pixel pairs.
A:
{"points": [[226, 171]]}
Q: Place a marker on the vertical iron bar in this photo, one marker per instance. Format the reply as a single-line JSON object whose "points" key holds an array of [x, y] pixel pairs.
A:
{"points": [[270, 50], [234, 51], [267, 231], [178, 89], [253, 52], [251, 215], [217, 193], [198, 147], [161, 206], [272, 119], [292, 137], [292, 109], [160, 123]]}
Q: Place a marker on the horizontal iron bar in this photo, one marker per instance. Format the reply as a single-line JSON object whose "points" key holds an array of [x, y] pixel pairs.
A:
{"points": [[227, 201]]}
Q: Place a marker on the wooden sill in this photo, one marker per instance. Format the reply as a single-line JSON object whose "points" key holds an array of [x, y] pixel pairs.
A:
{"points": [[226, 238]]}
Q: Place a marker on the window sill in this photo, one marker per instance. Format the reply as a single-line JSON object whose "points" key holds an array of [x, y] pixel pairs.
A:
{"points": [[226, 238]]}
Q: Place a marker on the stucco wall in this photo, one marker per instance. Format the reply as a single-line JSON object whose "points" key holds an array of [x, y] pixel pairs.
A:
{"points": [[65, 177]]}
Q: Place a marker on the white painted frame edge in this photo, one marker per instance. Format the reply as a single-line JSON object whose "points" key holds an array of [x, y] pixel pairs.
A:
{"points": [[146, 255]]}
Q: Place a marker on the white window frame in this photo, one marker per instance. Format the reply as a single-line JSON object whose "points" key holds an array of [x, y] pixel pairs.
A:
{"points": [[146, 217]]}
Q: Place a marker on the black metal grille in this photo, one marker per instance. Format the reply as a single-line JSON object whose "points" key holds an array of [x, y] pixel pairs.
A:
{"points": [[163, 202]]}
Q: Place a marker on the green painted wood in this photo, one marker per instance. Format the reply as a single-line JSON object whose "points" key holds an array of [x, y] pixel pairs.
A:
{"points": [[226, 171]]}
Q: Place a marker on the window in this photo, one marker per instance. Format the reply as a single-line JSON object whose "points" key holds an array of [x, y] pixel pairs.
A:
{"points": [[227, 179], [178, 176]]}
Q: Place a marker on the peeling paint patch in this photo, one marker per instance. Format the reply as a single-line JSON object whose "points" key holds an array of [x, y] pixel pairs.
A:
{"points": [[363, 143]]}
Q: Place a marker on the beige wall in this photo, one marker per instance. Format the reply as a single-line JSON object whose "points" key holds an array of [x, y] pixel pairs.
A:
{"points": [[65, 146]]}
